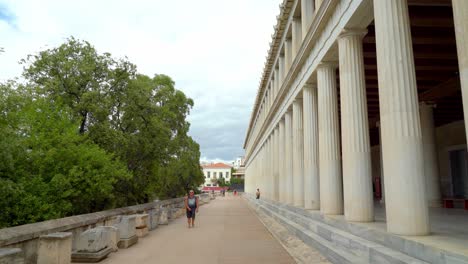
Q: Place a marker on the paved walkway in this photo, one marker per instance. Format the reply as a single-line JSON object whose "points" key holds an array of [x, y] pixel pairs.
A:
{"points": [[226, 231]]}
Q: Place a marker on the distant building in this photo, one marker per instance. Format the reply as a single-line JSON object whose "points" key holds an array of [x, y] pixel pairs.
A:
{"points": [[215, 171], [239, 162]]}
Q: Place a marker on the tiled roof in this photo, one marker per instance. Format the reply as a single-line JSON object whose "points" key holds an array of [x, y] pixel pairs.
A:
{"points": [[218, 165]]}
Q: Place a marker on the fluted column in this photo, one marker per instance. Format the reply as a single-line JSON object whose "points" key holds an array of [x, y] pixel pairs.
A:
{"points": [[311, 148], [406, 202], [318, 3], [270, 166], [277, 83], [281, 162], [307, 14], [275, 164], [270, 96], [331, 186], [298, 153], [288, 55], [296, 36], [266, 188], [288, 157], [281, 71], [357, 170], [431, 164], [460, 17], [382, 178]]}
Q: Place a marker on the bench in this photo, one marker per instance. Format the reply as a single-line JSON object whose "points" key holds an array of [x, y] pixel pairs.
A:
{"points": [[450, 202]]}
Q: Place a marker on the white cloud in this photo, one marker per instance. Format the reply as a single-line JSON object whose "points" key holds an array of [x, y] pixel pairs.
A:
{"points": [[214, 50]]}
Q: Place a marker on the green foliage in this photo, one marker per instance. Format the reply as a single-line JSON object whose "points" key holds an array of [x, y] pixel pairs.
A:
{"points": [[86, 133], [222, 182], [237, 181]]}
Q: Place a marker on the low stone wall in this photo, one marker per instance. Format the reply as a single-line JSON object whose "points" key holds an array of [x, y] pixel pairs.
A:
{"points": [[26, 237]]}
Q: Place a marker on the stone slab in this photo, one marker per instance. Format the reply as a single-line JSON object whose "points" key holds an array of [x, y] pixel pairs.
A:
{"points": [[127, 242], [141, 220], [93, 240], [163, 217], [126, 225], [91, 257], [142, 232], [11, 256], [55, 248], [114, 236], [153, 219]]}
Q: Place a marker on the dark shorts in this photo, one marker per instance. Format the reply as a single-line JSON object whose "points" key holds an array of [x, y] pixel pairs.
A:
{"points": [[191, 214]]}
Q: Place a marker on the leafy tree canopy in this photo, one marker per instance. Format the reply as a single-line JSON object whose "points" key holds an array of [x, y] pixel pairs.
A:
{"points": [[86, 132]]}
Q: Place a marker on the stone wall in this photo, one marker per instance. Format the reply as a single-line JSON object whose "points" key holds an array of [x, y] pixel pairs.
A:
{"points": [[26, 237]]}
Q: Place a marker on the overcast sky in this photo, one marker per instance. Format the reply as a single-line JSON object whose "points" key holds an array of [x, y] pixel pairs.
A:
{"points": [[213, 49]]}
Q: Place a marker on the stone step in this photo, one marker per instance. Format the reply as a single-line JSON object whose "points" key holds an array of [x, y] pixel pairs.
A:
{"points": [[368, 251], [334, 254], [407, 247]]}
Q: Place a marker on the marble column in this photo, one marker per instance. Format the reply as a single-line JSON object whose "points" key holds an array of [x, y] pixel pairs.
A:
{"points": [[382, 178], [356, 154], [311, 148], [266, 174], [298, 153], [431, 164], [460, 17], [405, 194], [296, 36], [281, 162], [318, 3], [288, 55], [277, 83], [331, 185], [307, 15], [268, 166], [276, 164], [281, 71], [288, 157]]}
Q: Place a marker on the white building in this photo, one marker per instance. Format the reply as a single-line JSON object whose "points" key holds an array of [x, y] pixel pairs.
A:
{"points": [[239, 162], [216, 171]]}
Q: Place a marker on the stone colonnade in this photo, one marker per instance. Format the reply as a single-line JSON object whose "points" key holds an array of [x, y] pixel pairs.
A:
{"points": [[304, 162]]}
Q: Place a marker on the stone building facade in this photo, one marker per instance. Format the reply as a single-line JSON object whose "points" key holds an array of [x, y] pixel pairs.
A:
{"points": [[345, 79]]}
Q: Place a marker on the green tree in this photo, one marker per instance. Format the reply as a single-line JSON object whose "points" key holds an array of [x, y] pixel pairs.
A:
{"points": [[77, 76], [87, 133], [50, 171]]}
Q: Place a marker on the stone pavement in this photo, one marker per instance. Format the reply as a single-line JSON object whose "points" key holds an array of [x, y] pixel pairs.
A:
{"points": [[226, 231]]}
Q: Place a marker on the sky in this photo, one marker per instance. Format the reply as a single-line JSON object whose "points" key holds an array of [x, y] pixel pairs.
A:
{"points": [[213, 49]]}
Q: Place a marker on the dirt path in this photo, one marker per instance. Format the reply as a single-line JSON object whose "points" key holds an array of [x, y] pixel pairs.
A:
{"points": [[226, 231]]}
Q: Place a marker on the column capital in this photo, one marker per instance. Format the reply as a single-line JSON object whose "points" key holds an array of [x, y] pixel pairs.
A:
{"points": [[328, 64], [347, 32]]}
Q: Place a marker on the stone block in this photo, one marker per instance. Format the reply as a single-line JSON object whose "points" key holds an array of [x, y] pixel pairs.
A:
{"points": [[114, 235], [127, 242], [141, 220], [11, 256], [55, 248], [153, 218], [126, 226], [93, 240], [91, 257], [141, 232], [163, 217], [170, 213]]}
